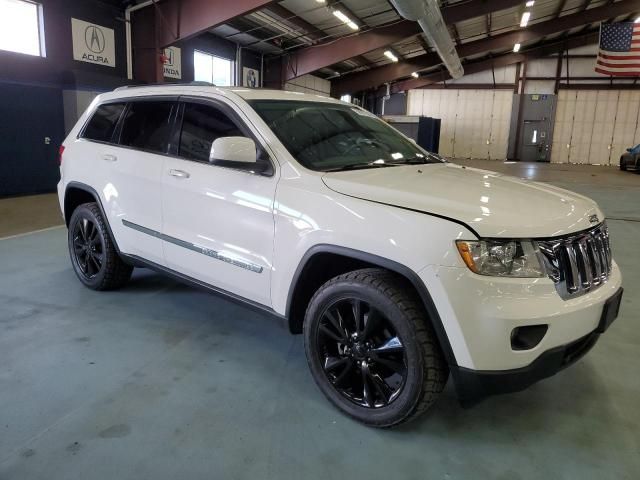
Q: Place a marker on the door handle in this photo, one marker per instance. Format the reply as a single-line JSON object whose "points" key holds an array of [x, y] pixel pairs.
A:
{"points": [[179, 173], [109, 158]]}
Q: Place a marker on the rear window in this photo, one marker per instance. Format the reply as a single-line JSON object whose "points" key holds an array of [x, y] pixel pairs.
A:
{"points": [[147, 125], [103, 122]]}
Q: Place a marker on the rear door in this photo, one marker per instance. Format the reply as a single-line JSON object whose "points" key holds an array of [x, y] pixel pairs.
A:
{"points": [[134, 187]]}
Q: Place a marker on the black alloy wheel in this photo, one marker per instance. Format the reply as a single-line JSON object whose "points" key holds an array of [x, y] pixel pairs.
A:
{"points": [[93, 253], [371, 348], [362, 355], [88, 248]]}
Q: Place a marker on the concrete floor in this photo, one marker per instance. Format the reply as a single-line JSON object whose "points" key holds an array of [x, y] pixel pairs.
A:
{"points": [[163, 381]]}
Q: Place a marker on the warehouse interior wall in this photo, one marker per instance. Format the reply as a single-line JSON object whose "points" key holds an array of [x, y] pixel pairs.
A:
{"points": [[588, 125], [71, 85], [309, 84], [595, 126], [475, 122]]}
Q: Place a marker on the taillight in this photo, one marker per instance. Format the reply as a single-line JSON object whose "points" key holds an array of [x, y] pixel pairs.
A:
{"points": [[60, 152]]}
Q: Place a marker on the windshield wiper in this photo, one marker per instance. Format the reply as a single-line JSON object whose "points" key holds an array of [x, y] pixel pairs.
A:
{"points": [[358, 166], [416, 161]]}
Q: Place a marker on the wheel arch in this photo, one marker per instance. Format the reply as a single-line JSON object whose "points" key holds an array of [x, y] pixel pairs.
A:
{"points": [[325, 261], [75, 194]]}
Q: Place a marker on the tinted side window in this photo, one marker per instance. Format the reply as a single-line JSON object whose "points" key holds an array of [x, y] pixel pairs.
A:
{"points": [[103, 122], [201, 125], [147, 125]]}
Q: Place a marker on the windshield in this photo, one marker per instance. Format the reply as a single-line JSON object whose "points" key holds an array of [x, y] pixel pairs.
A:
{"points": [[331, 137]]}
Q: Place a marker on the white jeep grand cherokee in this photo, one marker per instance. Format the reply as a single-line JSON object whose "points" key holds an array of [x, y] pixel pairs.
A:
{"points": [[396, 266]]}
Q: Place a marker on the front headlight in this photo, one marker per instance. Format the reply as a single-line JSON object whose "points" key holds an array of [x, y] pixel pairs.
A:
{"points": [[502, 258]]}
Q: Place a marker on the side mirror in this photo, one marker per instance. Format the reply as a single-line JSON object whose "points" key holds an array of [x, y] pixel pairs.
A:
{"points": [[233, 149]]}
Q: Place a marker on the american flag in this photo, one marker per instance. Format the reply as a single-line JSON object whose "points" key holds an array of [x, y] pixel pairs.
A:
{"points": [[619, 52]]}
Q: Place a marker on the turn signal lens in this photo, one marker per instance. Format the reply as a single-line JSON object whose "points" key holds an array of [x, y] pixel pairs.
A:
{"points": [[467, 257], [501, 258]]}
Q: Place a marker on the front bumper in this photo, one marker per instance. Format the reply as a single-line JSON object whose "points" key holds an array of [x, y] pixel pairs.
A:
{"points": [[479, 314], [474, 385]]}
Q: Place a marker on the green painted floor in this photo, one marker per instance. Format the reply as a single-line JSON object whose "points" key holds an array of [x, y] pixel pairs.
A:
{"points": [[161, 381]]}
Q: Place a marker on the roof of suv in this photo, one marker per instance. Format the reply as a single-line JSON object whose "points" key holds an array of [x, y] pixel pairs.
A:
{"points": [[242, 92]]}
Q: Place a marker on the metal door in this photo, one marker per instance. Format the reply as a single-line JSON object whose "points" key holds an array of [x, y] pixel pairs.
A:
{"points": [[31, 129], [537, 127], [534, 146]]}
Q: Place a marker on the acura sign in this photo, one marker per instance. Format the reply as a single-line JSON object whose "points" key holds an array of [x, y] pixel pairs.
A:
{"points": [[93, 43]]}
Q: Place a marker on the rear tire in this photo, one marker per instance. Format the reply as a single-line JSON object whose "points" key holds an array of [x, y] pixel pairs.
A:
{"points": [[384, 370], [94, 257]]}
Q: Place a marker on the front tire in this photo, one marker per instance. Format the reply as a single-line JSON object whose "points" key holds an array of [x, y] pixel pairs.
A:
{"points": [[623, 164], [371, 348], [93, 253]]}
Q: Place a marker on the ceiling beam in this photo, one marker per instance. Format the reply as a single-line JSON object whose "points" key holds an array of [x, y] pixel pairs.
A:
{"points": [[182, 19], [374, 77], [313, 58], [290, 19], [310, 59], [461, 11], [165, 22], [560, 8], [544, 50], [304, 29]]}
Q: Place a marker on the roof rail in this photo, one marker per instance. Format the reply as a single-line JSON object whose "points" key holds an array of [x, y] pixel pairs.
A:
{"points": [[172, 84]]}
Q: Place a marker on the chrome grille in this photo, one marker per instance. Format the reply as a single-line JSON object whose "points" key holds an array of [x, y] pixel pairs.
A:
{"points": [[578, 263]]}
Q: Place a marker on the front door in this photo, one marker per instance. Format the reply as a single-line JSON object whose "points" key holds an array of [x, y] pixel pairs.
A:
{"points": [[218, 223]]}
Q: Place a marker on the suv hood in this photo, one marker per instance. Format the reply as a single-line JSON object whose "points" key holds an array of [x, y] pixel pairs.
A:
{"points": [[492, 204]]}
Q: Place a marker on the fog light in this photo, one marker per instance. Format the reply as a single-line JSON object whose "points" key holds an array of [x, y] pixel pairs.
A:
{"points": [[525, 338]]}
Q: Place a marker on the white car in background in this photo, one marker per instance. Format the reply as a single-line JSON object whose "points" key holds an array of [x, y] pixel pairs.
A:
{"points": [[397, 267]]}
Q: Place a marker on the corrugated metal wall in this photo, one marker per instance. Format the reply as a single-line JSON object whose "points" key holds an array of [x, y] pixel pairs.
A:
{"points": [[475, 123], [309, 84], [595, 126]]}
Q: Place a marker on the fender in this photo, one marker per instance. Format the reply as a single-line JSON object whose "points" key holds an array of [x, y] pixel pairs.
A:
{"points": [[402, 270]]}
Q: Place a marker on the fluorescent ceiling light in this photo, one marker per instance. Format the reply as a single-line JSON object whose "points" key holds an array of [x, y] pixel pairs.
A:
{"points": [[525, 19], [346, 20], [528, 4], [390, 55], [415, 75], [341, 16], [516, 47]]}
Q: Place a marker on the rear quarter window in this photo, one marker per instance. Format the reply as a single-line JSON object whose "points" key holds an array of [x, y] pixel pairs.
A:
{"points": [[103, 122]]}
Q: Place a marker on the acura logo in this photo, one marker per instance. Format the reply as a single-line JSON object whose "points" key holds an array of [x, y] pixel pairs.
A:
{"points": [[593, 219], [94, 39]]}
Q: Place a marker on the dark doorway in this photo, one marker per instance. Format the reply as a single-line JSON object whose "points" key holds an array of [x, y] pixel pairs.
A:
{"points": [[536, 129], [31, 130]]}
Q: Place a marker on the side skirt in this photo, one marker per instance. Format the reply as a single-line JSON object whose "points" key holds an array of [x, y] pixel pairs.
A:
{"points": [[137, 261]]}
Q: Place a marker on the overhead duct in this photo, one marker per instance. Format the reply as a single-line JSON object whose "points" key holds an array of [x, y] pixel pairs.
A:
{"points": [[427, 14]]}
